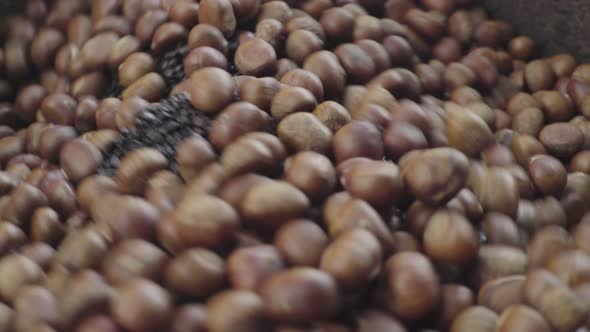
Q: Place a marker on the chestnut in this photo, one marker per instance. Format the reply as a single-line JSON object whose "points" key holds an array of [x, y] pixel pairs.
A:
{"points": [[452, 174], [219, 14], [312, 295], [232, 308], [18, 271], [195, 273], [131, 259], [353, 259], [195, 218], [450, 238], [256, 57], [211, 89], [301, 131], [271, 204], [141, 305], [288, 240], [249, 267], [413, 287], [136, 167]]}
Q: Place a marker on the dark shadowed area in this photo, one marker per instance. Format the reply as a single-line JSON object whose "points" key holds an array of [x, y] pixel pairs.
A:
{"points": [[8, 6], [556, 25]]}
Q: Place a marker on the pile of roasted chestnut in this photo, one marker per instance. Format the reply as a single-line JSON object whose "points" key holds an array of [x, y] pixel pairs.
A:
{"points": [[345, 166]]}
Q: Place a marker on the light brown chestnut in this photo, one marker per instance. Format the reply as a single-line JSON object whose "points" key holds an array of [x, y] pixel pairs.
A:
{"points": [[260, 91], [312, 173], [500, 229], [202, 57], [206, 221], [292, 99], [164, 189], [45, 45], [195, 273], [192, 155], [91, 84], [548, 174], [359, 66], [270, 30], [301, 43], [149, 87], [501, 293], [79, 29], [543, 289], [111, 23], [81, 249], [353, 259], [85, 117], [450, 238], [342, 212], [135, 66], [211, 89], [24, 199], [96, 51], [413, 287], [358, 139], [301, 131], [235, 120], [11, 146], [290, 237], [305, 22], [92, 188], [377, 320], [271, 204], [207, 35], [495, 197], [476, 318], [232, 308], [128, 109], [46, 226], [17, 271], [151, 306], [125, 47], [304, 79], [277, 10], [185, 13], [86, 292], [11, 237], [59, 109], [562, 139], [234, 190], [253, 152], [451, 176], [332, 114], [219, 14], [79, 158], [100, 322], [125, 217], [147, 24], [539, 75], [377, 182], [496, 261], [313, 294], [248, 267], [101, 139], [167, 36], [571, 266], [51, 140], [136, 167], [29, 100], [327, 67]]}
